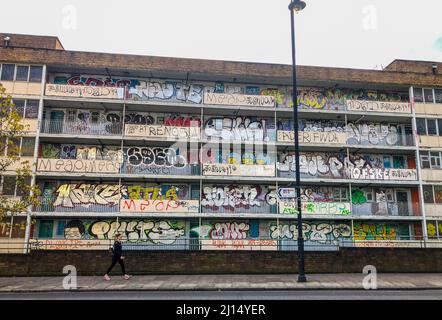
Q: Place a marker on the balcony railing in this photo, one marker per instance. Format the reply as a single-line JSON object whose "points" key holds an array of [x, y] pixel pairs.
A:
{"points": [[187, 170], [340, 138], [196, 244], [79, 128], [258, 207], [384, 209]]}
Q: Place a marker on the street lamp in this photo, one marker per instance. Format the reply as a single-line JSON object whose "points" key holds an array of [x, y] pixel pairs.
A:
{"points": [[296, 6]]}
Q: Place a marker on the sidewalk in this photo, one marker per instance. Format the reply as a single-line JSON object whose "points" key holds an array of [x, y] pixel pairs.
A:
{"points": [[225, 282]]}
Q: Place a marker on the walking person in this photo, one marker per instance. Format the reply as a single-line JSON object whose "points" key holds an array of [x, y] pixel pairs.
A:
{"points": [[117, 256]]}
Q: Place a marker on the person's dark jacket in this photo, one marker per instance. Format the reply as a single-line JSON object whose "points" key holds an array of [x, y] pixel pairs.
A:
{"points": [[117, 249]]}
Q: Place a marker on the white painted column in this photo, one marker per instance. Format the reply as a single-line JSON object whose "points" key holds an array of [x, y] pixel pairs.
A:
{"points": [[34, 167], [418, 166]]}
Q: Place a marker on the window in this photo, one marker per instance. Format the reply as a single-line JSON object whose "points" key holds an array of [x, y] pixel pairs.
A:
{"points": [[431, 127], [438, 95], [27, 147], [418, 97], [399, 162], [435, 160], [438, 194], [428, 194], [369, 195], [23, 191], [45, 228], [425, 160], [32, 107], [35, 74], [432, 229], [389, 194], [71, 116], [13, 147], [9, 186], [421, 127], [439, 126], [8, 72], [22, 73], [428, 95], [95, 116], [19, 105], [2, 146]]}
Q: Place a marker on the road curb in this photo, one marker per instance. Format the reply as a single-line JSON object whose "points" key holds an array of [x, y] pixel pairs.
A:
{"points": [[224, 289]]}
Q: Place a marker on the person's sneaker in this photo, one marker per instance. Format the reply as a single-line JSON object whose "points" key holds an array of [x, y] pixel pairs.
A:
{"points": [[126, 277], [106, 277]]}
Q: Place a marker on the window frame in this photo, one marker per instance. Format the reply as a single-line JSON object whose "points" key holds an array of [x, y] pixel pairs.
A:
{"points": [[41, 74], [16, 72], [13, 72], [425, 98]]}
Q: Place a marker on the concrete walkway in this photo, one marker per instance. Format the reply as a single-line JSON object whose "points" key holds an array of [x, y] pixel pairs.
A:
{"points": [[225, 282]]}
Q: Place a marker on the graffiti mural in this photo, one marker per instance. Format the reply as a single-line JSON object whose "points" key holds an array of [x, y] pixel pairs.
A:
{"points": [[323, 194], [239, 128], [242, 198], [312, 165], [87, 195], [369, 167], [189, 92], [50, 151], [159, 156], [371, 231], [374, 134], [321, 232], [154, 231], [81, 152], [108, 197], [222, 230]]}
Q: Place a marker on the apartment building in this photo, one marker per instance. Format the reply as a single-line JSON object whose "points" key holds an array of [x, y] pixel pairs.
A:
{"points": [[189, 154]]}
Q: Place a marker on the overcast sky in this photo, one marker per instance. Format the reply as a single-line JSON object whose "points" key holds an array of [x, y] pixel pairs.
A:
{"points": [[342, 33]]}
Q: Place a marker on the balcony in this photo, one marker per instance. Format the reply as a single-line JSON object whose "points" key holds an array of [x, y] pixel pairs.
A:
{"points": [[90, 205], [351, 138], [162, 132], [378, 106], [77, 91], [226, 207], [81, 128], [315, 208], [384, 209], [243, 170], [161, 170], [78, 166]]}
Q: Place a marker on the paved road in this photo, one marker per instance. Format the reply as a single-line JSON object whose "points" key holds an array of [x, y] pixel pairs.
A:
{"points": [[233, 295]]}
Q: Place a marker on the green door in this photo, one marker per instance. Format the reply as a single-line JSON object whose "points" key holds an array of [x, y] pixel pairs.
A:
{"points": [[45, 229]]}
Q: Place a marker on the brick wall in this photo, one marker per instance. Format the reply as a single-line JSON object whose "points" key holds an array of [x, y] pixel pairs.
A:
{"points": [[30, 41], [245, 71], [212, 262]]}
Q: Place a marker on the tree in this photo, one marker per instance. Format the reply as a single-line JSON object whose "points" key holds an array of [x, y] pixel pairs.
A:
{"points": [[11, 130]]}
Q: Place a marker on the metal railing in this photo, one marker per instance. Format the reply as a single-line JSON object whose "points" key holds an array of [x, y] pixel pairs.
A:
{"points": [[259, 207], [404, 140], [18, 246], [187, 170], [80, 128], [47, 204]]}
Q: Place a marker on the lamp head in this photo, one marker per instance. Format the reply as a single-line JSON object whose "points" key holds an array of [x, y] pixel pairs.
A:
{"points": [[297, 5]]}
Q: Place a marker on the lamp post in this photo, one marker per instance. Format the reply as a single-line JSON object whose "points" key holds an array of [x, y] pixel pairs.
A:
{"points": [[296, 6]]}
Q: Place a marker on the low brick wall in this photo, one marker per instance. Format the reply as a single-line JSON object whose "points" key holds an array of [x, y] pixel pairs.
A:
{"points": [[351, 260]]}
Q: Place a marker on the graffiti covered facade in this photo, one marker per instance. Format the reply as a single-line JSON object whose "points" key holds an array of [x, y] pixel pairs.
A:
{"points": [[199, 162]]}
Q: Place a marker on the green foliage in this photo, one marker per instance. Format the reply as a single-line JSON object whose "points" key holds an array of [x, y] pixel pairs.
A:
{"points": [[11, 130]]}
